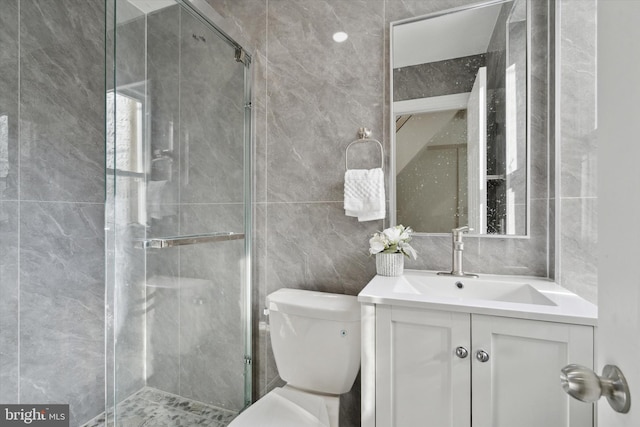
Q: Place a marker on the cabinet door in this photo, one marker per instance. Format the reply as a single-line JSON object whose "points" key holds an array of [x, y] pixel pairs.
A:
{"points": [[520, 383], [419, 379]]}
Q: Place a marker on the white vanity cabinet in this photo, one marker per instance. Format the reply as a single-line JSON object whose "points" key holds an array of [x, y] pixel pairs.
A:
{"points": [[415, 371]]}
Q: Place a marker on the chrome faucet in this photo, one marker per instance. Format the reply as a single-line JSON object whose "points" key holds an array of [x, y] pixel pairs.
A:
{"points": [[458, 248]]}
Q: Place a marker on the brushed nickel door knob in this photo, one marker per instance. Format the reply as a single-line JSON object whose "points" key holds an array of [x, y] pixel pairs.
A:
{"points": [[585, 385]]}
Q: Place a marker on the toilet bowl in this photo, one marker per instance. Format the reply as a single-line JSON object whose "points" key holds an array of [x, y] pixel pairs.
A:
{"points": [[315, 338], [287, 407]]}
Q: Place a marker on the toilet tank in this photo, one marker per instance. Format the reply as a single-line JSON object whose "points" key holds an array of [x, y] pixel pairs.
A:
{"points": [[315, 338]]}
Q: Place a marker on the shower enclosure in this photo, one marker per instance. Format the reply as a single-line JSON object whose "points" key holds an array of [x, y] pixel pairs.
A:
{"points": [[178, 216]]}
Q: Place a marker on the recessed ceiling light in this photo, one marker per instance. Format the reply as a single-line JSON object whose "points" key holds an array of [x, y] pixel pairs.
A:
{"points": [[340, 36]]}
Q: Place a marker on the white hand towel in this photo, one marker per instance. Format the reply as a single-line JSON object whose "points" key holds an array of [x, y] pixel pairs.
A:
{"points": [[364, 194]]}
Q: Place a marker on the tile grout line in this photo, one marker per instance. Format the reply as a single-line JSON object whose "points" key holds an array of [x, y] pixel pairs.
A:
{"points": [[181, 164], [61, 201], [145, 346], [266, 196], [19, 196]]}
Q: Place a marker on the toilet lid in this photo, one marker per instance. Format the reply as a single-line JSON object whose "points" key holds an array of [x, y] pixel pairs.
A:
{"points": [[285, 407]]}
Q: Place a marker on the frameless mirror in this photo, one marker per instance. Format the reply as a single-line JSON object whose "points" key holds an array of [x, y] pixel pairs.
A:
{"points": [[459, 108]]}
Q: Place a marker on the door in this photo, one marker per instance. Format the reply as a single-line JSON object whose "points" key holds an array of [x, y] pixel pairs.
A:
{"points": [[419, 380], [523, 358], [618, 339], [179, 210]]}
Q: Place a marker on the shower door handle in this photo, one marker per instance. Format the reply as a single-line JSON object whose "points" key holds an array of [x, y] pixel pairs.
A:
{"points": [[170, 242]]}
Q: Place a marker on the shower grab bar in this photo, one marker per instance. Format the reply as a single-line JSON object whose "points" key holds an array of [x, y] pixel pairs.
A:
{"points": [[170, 242]]}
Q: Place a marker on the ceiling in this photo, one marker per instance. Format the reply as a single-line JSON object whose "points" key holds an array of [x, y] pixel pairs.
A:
{"points": [[453, 35]]}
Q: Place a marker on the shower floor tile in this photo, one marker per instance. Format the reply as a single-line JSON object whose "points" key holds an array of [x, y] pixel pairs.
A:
{"points": [[150, 407]]}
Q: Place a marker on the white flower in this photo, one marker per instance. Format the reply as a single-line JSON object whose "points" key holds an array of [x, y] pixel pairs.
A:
{"points": [[393, 240], [406, 249], [406, 234], [393, 234], [377, 244]]}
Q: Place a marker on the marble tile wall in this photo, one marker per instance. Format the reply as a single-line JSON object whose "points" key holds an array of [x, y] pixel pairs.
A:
{"points": [[109, 216], [211, 200], [179, 326], [194, 329], [9, 203], [445, 78], [52, 204], [518, 182], [310, 96], [162, 311], [554, 141], [125, 264], [576, 200], [211, 324], [9, 100], [319, 93], [9, 304]]}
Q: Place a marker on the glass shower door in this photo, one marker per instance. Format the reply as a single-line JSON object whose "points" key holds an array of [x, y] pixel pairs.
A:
{"points": [[179, 217]]}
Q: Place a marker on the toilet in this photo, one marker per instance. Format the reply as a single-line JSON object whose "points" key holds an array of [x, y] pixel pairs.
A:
{"points": [[315, 338]]}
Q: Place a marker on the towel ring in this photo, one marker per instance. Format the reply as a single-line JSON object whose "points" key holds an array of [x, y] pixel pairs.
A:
{"points": [[363, 136]]}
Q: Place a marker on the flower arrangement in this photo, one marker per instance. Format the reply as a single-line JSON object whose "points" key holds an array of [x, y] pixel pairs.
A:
{"points": [[393, 240]]}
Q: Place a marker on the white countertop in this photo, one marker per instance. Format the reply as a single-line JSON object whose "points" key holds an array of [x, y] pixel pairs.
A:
{"points": [[565, 306]]}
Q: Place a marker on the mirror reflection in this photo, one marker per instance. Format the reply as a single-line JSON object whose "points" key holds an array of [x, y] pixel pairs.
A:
{"points": [[459, 105]]}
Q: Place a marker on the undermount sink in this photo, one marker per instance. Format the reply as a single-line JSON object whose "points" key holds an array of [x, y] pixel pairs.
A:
{"points": [[472, 289]]}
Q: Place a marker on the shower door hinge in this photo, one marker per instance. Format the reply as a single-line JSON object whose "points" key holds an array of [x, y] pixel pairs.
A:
{"points": [[241, 56], [247, 360]]}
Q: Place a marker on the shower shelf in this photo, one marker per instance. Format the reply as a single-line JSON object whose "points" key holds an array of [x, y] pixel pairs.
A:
{"points": [[169, 242]]}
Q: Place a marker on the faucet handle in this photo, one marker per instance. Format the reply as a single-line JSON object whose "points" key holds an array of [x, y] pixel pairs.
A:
{"points": [[463, 229]]}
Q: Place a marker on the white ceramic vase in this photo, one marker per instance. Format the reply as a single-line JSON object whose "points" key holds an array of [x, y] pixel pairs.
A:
{"points": [[389, 264]]}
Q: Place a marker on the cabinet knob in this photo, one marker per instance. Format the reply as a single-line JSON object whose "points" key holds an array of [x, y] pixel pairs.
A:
{"points": [[462, 352], [482, 356]]}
